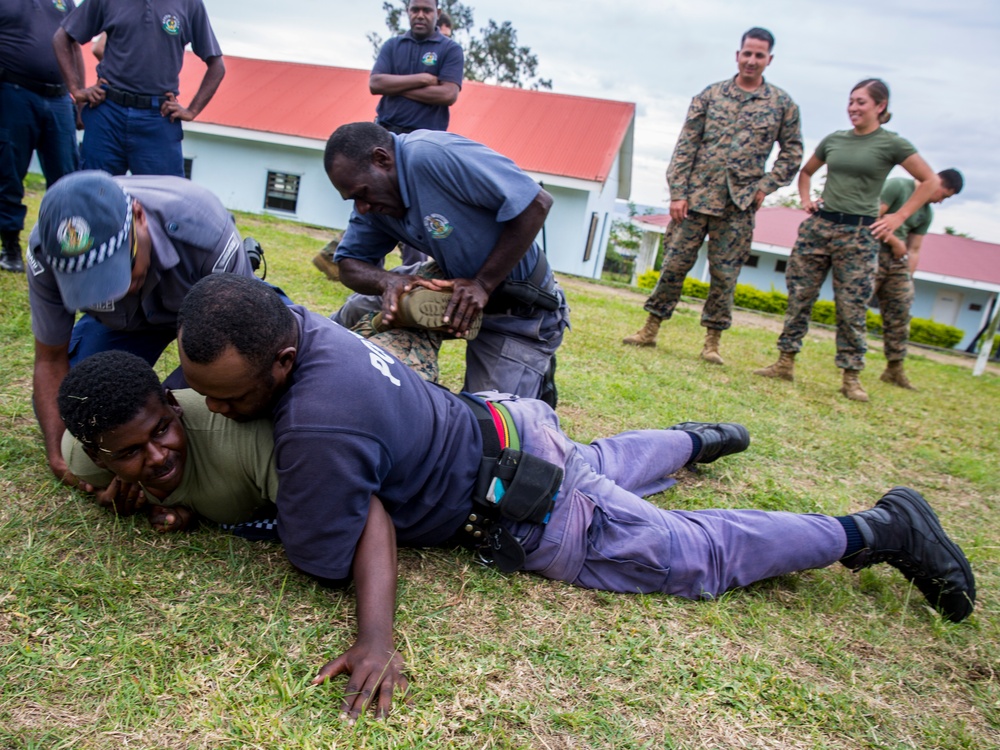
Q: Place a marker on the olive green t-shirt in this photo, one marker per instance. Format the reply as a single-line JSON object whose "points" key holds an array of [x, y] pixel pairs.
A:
{"points": [[857, 166], [895, 193], [229, 475]]}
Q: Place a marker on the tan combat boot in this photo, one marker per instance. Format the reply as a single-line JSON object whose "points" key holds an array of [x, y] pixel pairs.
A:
{"points": [[425, 308], [645, 336], [852, 386], [784, 368], [710, 352], [894, 375], [324, 261]]}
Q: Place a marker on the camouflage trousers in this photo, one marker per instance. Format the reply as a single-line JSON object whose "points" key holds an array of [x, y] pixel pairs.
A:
{"points": [[894, 291], [729, 239], [852, 253], [414, 347]]}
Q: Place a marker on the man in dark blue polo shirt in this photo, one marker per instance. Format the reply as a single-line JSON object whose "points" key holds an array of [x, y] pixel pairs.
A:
{"points": [[133, 117], [477, 215], [36, 114], [418, 74]]}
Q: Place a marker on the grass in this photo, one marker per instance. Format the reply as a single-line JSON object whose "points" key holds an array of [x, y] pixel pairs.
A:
{"points": [[113, 636]]}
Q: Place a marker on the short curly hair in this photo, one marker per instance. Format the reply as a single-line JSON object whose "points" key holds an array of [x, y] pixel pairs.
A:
{"points": [[105, 391], [224, 310]]}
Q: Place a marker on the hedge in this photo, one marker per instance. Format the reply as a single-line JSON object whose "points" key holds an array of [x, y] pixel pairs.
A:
{"points": [[922, 331]]}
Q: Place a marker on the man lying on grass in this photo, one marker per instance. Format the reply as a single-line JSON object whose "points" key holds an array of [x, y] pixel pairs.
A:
{"points": [[369, 455], [148, 448]]}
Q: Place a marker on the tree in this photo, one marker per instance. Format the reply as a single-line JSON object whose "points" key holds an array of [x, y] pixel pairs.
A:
{"points": [[955, 233], [491, 56]]}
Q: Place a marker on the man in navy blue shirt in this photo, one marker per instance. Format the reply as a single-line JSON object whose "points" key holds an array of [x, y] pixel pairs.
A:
{"points": [[418, 74], [477, 215], [36, 114], [132, 117], [410, 463]]}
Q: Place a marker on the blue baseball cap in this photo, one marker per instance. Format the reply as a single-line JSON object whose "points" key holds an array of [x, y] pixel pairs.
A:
{"points": [[85, 225]]}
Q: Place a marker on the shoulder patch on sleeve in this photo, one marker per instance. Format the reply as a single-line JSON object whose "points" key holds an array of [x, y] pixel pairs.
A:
{"points": [[37, 269], [225, 259]]}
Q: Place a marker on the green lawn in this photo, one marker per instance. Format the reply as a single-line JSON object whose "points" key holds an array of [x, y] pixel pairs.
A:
{"points": [[113, 636]]}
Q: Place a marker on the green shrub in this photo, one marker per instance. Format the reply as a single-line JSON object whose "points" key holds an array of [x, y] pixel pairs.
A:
{"points": [[695, 288], [996, 346], [935, 334], [754, 299], [922, 331], [647, 281]]}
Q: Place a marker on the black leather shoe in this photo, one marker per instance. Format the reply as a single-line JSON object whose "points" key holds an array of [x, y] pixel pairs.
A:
{"points": [[10, 254], [904, 531], [717, 439]]}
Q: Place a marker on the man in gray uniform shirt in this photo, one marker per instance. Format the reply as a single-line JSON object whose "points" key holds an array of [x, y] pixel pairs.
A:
{"points": [[133, 117], [125, 251]]}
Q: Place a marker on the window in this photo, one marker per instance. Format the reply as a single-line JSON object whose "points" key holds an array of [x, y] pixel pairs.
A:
{"points": [[282, 191], [188, 163], [752, 261], [780, 266], [975, 307]]}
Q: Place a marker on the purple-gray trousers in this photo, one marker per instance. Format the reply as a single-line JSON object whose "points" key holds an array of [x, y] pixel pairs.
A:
{"points": [[603, 535]]}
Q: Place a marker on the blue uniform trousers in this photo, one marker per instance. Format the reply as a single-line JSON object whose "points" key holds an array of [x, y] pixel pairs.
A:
{"points": [[121, 139], [31, 123], [602, 535]]}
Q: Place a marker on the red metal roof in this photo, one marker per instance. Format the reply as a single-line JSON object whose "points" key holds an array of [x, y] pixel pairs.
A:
{"points": [[944, 254], [570, 136]]}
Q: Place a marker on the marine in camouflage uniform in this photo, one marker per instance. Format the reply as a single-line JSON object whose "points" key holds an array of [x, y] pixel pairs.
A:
{"points": [[718, 169], [897, 260], [850, 252]]}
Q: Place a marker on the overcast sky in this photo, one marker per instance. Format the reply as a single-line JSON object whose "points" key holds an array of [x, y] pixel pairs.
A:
{"points": [[939, 58]]}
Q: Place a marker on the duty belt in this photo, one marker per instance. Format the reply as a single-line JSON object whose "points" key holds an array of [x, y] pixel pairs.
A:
{"points": [[128, 99], [510, 485], [50, 90], [497, 429], [855, 220]]}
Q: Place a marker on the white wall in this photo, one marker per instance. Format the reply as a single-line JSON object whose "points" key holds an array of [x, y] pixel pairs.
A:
{"points": [[236, 171], [568, 224]]}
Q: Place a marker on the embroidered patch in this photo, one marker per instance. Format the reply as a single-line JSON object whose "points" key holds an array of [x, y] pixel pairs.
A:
{"points": [[438, 226], [104, 307], [59, 5], [430, 58], [171, 25], [74, 237]]}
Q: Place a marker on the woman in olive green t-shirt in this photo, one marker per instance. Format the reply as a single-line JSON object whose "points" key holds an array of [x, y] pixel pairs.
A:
{"points": [[844, 230]]}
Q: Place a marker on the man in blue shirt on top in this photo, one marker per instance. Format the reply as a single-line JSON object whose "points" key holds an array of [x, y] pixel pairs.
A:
{"points": [[418, 74], [477, 215]]}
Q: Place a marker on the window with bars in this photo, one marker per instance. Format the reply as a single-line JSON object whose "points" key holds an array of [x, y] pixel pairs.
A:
{"points": [[282, 191]]}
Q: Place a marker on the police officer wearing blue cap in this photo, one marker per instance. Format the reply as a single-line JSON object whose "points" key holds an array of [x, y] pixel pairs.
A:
{"points": [[124, 251]]}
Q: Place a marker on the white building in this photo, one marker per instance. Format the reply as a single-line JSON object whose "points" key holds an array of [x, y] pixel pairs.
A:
{"points": [[259, 143]]}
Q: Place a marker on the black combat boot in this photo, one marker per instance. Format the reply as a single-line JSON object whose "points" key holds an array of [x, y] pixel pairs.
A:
{"points": [[717, 439], [10, 257], [904, 531]]}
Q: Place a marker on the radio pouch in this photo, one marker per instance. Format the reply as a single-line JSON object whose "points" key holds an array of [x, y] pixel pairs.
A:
{"points": [[531, 485]]}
